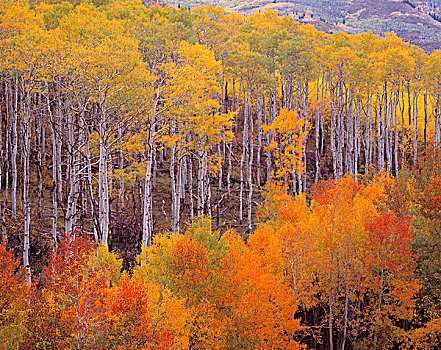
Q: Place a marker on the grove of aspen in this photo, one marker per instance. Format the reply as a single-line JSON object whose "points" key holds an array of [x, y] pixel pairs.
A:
{"points": [[196, 179]]}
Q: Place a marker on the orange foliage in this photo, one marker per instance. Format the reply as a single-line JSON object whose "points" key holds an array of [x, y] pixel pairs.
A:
{"points": [[13, 292]]}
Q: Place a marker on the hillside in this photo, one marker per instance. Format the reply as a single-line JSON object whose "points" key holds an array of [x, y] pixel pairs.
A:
{"points": [[416, 22]]}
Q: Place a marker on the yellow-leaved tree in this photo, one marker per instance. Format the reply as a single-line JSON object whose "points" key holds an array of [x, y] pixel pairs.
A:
{"points": [[287, 146]]}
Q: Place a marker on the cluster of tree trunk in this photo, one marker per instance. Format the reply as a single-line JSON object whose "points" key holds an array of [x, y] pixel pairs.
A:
{"points": [[66, 162]]}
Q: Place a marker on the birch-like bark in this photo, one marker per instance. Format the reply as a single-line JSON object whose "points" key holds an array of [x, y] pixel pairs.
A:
{"points": [[54, 170], [7, 140], [437, 121], [403, 131], [25, 104], [72, 177], [371, 141], [103, 181], [384, 126], [357, 139], [201, 186], [39, 130], [317, 129], [244, 150], [59, 142], [249, 167], [340, 132], [147, 216], [175, 180], [91, 195], [183, 179], [259, 133], [121, 168], [409, 103], [306, 129], [14, 151], [298, 103], [388, 133], [5, 163], [190, 182], [396, 99], [380, 140], [333, 127], [230, 143], [415, 135], [221, 158], [426, 120], [272, 107], [207, 185], [350, 133]]}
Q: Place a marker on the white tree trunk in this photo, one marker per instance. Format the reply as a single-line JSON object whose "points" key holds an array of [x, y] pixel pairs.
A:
{"points": [[26, 149], [14, 151], [103, 181], [415, 135], [147, 216]]}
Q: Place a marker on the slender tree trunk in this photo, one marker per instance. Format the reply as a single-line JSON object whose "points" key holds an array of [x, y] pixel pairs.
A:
{"points": [[306, 129], [380, 140], [388, 132], [103, 186], [14, 150], [230, 143], [59, 142], [204, 189], [121, 168], [322, 122], [333, 129], [91, 195], [39, 129], [415, 136], [5, 157], [271, 116], [190, 183], [403, 131], [357, 139], [26, 149], [245, 150], [371, 141], [54, 170], [317, 130], [72, 177], [249, 166], [340, 132], [175, 179], [437, 121], [260, 92], [396, 99], [350, 134], [426, 120], [207, 185], [409, 103], [147, 218]]}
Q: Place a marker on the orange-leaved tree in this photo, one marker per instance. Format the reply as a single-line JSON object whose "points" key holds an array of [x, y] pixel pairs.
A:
{"points": [[71, 309], [339, 253], [234, 297], [13, 294]]}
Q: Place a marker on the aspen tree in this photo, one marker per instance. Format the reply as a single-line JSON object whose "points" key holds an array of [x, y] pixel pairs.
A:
{"points": [[25, 60]]}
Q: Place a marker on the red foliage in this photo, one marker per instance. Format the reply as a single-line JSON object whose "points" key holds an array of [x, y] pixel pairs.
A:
{"points": [[389, 238]]}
